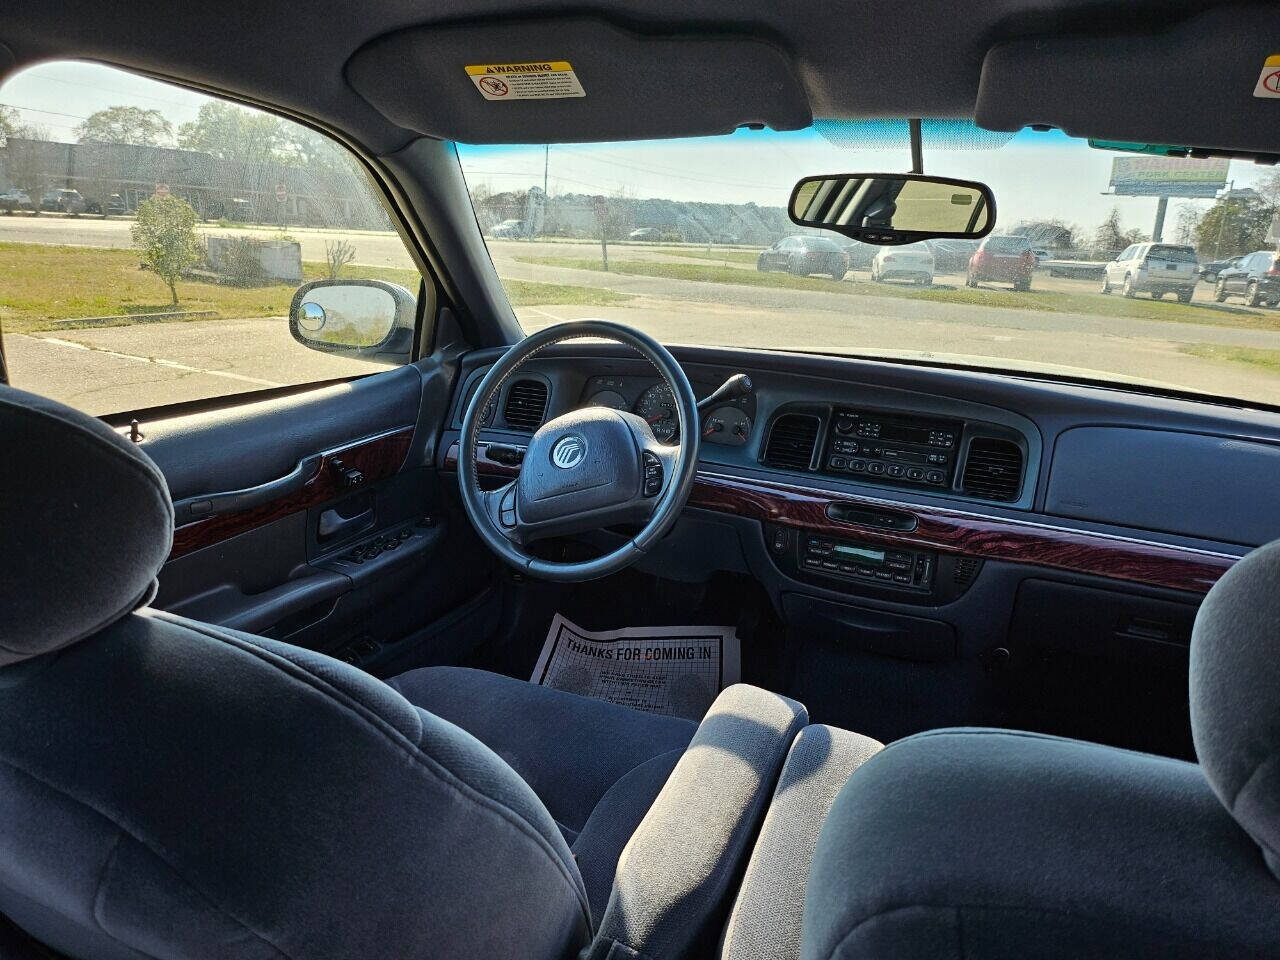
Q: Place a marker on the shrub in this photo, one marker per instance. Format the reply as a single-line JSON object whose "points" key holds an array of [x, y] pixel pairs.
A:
{"points": [[337, 254], [165, 232]]}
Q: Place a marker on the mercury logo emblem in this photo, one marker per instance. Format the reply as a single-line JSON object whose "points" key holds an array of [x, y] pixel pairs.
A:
{"points": [[568, 452]]}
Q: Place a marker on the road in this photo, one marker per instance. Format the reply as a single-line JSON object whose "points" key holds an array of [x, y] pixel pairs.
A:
{"points": [[107, 369], [112, 369]]}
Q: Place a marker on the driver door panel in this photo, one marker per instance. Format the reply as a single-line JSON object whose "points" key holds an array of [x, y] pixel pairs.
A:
{"points": [[313, 518]]}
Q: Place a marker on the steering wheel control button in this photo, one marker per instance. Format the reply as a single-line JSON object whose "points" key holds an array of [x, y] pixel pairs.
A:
{"points": [[652, 474], [507, 508], [569, 451]]}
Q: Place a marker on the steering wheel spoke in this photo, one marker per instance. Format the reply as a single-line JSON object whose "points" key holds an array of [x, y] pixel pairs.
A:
{"points": [[500, 508]]}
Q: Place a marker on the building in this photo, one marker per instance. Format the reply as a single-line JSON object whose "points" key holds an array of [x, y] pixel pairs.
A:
{"points": [[321, 195]]}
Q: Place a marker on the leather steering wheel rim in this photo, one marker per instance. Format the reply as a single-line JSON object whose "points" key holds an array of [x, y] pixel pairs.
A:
{"points": [[677, 483]]}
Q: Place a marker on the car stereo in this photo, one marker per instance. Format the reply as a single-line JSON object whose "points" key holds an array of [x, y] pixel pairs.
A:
{"points": [[896, 448], [909, 569]]}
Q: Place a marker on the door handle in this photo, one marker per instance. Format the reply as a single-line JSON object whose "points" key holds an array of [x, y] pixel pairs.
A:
{"points": [[233, 501]]}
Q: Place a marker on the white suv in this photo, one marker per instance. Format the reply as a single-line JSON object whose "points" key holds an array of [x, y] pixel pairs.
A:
{"points": [[1154, 268]]}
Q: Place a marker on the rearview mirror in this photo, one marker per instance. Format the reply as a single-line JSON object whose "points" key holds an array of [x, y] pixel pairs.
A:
{"points": [[367, 318], [894, 208]]}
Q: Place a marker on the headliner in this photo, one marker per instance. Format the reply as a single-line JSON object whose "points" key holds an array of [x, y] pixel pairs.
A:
{"points": [[846, 58]]}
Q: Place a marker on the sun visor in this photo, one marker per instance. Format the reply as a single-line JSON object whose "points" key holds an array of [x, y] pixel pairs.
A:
{"points": [[574, 79], [1212, 81]]}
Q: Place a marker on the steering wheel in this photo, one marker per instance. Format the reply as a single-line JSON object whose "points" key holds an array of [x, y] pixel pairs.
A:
{"points": [[585, 470]]}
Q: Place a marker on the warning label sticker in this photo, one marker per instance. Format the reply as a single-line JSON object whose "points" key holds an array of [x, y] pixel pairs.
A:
{"points": [[543, 80], [1269, 80]]}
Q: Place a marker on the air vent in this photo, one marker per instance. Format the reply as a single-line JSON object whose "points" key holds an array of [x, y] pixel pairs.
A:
{"points": [[993, 469], [791, 441], [966, 569], [526, 405]]}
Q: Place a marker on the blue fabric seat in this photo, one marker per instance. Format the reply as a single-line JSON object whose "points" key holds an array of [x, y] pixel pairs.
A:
{"points": [[596, 766], [174, 789]]}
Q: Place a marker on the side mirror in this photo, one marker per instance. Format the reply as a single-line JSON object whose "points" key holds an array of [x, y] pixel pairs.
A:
{"points": [[894, 208], [361, 318]]}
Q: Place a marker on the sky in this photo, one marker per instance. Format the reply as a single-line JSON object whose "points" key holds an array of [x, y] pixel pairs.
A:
{"points": [[1035, 176]]}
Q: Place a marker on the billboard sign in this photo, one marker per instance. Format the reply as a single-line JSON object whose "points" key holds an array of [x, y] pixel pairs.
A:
{"points": [[1168, 176]]}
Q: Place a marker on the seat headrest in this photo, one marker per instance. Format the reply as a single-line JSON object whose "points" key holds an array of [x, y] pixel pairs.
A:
{"points": [[1235, 695], [85, 524]]}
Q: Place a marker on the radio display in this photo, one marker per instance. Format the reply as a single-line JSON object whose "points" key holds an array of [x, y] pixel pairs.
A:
{"points": [[862, 553], [904, 434]]}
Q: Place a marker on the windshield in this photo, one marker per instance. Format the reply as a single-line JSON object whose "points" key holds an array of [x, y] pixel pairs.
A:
{"points": [[715, 266]]}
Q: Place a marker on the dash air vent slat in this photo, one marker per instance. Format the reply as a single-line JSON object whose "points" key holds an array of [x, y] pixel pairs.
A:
{"points": [[526, 405], [791, 441], [993, 469]]}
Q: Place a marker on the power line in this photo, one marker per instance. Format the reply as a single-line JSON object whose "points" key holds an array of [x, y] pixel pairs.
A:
{"points": [[52, 113]]}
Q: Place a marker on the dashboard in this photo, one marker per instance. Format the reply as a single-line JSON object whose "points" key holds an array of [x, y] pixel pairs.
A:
{"points": [[848, 478]]}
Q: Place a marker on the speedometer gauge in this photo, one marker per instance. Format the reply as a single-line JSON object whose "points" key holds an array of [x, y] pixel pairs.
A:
{"points": [[607, 398], [658, 406]]}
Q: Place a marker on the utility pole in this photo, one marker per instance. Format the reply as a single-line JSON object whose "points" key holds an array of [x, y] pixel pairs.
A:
{"points": [[546, 165]]}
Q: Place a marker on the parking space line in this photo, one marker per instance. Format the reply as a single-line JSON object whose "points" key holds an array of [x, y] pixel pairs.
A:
{"points": [[543, 313], [173, 364]]}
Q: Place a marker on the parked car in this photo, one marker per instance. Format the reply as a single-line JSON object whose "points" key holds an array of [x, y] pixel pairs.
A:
{"points": [[64, 201], [1209, 271], [860, 254], [1003, 259], [115, 206], [913, 262], [951, 255], [1041, 255], [15, 199], [509, 230], [647, 234], [1154, 268], [802, 256], [1255, 277]]}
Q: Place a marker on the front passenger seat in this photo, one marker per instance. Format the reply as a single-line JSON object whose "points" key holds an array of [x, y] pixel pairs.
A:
{"points": [[1001, 845], [169, 788]]}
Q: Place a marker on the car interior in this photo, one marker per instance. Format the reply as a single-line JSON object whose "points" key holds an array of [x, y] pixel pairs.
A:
{"points": [[487, 627]]}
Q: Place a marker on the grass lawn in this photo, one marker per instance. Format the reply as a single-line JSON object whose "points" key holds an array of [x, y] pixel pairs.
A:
{"points": [[1249, 356], [1051, 301], [721, 256], [41, 285], [532, 293]]}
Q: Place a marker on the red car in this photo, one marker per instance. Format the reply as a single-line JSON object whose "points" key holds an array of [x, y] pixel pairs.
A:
{"points": [[1003, 260]]}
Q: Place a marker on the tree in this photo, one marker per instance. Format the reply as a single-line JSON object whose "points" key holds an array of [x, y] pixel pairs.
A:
{"points": [[11, 125], [1187, 220], [231, 132], [131, 125], [165, 232], [1234, 226], [1110, 237], [611, 224], [1269, 187], [9, 122]]}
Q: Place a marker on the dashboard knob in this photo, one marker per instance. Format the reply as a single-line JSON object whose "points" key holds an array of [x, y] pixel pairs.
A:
{"points": [[844, 425]]}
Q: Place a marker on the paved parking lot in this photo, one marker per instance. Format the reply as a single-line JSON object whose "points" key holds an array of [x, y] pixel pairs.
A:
{"points": [[109, 369]]}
